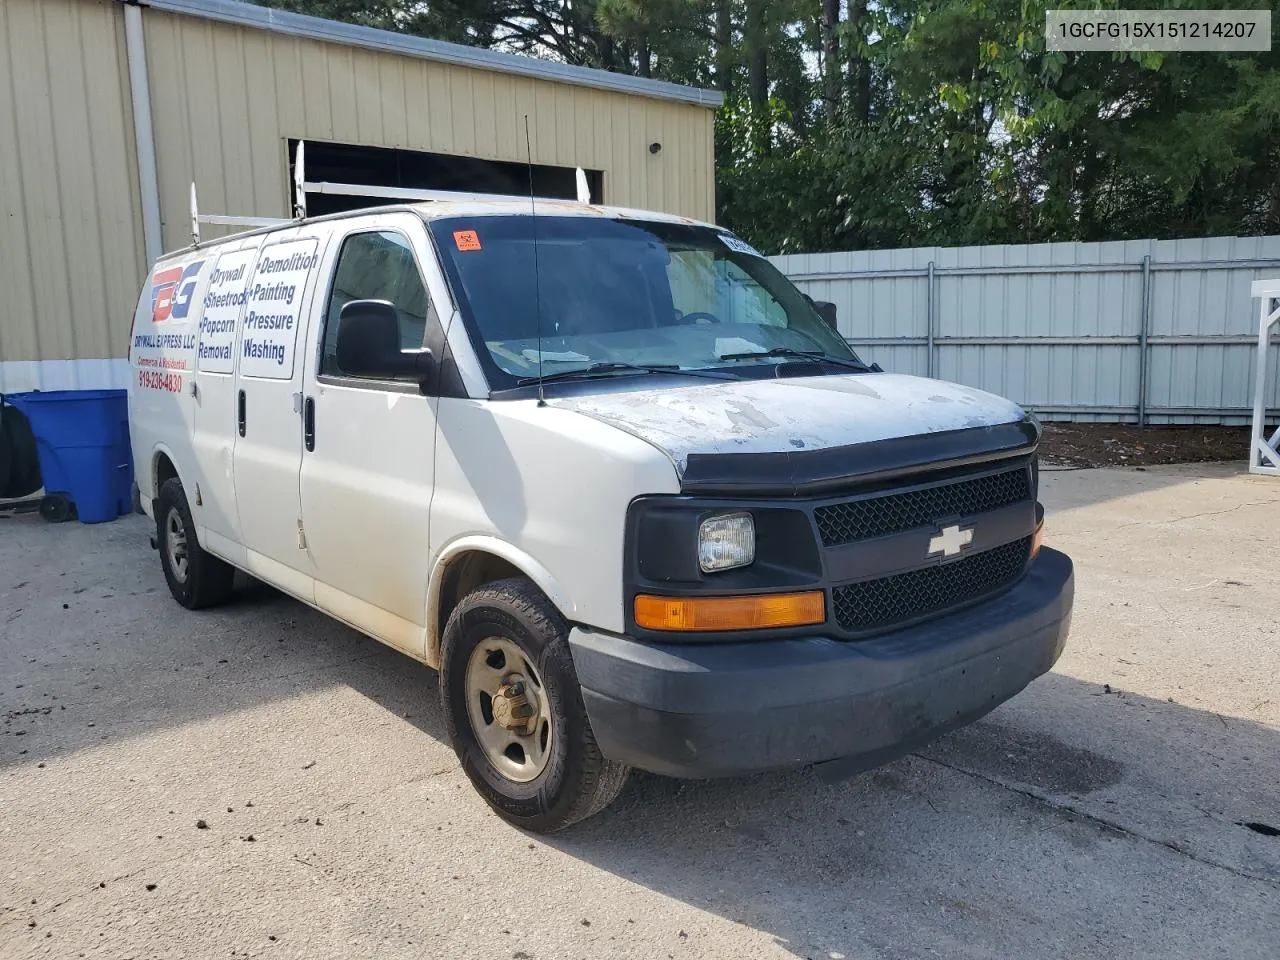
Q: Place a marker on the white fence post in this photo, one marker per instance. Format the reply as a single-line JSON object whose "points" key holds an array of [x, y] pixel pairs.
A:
{"points": [[1264, 454], [1144, 351]]}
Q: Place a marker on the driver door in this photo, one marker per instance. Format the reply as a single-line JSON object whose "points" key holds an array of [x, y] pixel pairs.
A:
{"points": [[369, 444]]}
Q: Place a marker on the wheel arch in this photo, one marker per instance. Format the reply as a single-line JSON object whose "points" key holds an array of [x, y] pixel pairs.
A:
{"points": [[163, 466], [469, 562]]}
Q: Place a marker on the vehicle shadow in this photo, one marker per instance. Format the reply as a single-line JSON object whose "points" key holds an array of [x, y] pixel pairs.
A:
{"points": [[1072, 822], [1072, 819], [977, 845]]}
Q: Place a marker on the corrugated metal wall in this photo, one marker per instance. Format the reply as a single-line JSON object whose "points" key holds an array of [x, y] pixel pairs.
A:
{"points": [[236, 94], [1060, 327], [71, 253], [225, 100]]}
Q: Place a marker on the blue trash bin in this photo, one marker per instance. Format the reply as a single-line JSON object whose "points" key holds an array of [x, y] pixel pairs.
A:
{"points": [[82, 441]]}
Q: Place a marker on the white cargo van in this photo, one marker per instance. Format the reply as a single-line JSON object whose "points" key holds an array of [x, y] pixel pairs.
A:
{"points": [[610, 474]]}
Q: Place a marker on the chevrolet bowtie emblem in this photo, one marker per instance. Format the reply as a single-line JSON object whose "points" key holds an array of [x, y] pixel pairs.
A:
{"points": [[950, 541]]}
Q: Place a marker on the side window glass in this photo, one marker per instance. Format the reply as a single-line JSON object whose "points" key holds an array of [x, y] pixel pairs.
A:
{"points": [[376, 266]]}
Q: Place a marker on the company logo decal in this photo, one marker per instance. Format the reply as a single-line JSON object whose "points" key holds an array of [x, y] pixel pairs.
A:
{"points": [[172, 290]]}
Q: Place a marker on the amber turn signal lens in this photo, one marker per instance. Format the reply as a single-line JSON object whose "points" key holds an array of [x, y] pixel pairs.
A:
{"points": [[1037, 539], [752, 612]]}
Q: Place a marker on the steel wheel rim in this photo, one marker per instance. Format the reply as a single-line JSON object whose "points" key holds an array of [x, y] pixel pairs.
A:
{"points": [[495, 663], [175, 540]]}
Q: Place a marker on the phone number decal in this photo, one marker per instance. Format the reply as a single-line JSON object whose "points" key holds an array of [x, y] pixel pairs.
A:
{"points": [[160, 380]]}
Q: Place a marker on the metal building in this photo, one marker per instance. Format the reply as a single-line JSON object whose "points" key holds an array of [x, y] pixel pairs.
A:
{"points": [[110, 109]]}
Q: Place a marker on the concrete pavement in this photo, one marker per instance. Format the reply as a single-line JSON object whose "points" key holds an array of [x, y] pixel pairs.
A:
{"points": [[1124, 805]]}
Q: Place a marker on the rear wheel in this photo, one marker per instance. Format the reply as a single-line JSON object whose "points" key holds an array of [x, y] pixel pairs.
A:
{"points": [[514, 710], [196, 578], [55, 508]]}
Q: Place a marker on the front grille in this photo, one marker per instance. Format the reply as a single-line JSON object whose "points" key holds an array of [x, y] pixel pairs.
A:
{"points": [[882, 603], [853, 520]]}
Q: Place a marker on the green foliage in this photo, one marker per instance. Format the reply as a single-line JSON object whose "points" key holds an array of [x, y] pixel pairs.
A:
{"points": [[951, 123]]}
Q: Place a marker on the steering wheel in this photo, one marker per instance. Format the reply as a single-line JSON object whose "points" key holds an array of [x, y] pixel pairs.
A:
{"points": [[697, 315]]}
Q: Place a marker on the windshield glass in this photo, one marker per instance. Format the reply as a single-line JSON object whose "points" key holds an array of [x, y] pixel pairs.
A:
{"points": [[621, 292]]}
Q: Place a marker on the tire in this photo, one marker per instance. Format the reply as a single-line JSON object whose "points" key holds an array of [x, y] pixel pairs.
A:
{"points": [[576, 781], [18, 449], [6, 451], [204, 581], [56, 508]]}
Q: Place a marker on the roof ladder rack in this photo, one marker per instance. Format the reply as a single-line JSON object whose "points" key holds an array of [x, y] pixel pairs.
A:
{"points": [[198, 218], [299, 206], [302, 186]]}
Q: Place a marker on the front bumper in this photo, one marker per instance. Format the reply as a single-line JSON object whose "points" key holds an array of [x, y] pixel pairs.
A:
{"points": [[719, 709]]}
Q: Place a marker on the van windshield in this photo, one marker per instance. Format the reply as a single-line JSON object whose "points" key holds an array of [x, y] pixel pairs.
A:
{"points": [[622, 292]]}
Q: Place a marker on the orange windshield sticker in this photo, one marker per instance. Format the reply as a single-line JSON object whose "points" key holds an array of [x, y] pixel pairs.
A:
{"points": [[466, 239]]}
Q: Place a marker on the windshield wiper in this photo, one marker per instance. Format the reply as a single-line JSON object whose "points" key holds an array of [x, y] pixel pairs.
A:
{"points": [[800, 354], [608, 368]]}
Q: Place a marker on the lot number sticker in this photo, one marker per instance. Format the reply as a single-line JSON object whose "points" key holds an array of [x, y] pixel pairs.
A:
{"points": [[223, 302], [273, 309], [740, 246]]}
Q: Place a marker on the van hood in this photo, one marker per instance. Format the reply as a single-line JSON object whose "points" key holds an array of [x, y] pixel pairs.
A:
{"points": [[791, 414]]}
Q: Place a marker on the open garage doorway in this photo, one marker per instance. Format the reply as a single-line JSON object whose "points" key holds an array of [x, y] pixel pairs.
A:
{"points": [[414, 169]]}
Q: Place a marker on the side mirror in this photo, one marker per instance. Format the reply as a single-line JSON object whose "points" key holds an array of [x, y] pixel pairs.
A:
{"points": [[369, 345]]}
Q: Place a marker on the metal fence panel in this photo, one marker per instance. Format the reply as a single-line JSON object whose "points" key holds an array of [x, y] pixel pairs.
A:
{"points": [[1157, 331]]}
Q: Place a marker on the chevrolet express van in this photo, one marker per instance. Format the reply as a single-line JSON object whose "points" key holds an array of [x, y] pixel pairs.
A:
{"points": [[610, 474]]}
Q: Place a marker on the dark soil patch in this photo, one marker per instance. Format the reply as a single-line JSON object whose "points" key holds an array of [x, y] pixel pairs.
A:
{"points": [[1126, 445]]}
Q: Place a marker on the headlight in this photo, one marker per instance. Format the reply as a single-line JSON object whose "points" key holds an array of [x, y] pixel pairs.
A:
{"points": [[726, 542]]}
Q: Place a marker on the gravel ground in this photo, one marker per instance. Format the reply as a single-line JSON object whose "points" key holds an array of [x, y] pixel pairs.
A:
{"points": [[260, 781], [1126, 445]]}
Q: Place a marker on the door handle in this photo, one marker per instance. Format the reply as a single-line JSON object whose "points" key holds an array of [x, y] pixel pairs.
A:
{"points": [[240, 412], [309, 424]]}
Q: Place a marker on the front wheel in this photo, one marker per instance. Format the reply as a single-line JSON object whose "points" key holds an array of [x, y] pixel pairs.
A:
{"points": [[196, 578], [514, 710]]}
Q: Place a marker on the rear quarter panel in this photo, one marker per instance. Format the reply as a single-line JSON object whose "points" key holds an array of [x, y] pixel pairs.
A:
{"points": [[162, 364]]}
